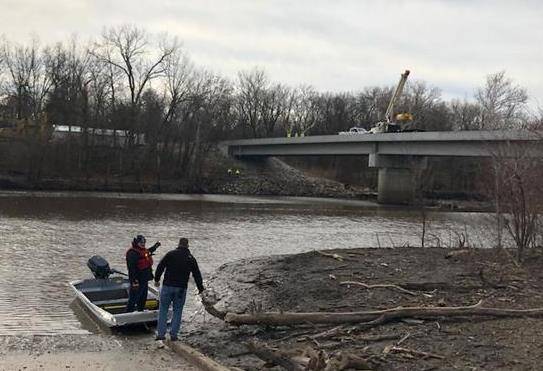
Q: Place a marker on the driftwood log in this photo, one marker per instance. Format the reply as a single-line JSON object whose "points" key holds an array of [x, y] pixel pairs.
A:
{"points": [[344, 361], [274, 356], [196, 358], [209, 304], [375, 316], [309, 359]]}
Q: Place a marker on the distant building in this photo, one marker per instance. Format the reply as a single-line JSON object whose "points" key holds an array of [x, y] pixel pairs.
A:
{"points": [[96, 137]]}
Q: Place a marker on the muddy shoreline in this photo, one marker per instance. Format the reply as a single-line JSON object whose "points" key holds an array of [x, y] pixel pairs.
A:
{"points": [[310, 282]]}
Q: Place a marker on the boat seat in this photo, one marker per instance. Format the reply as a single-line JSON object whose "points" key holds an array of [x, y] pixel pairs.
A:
{"points": [[106, 295], [111, 301], [150, 304]]}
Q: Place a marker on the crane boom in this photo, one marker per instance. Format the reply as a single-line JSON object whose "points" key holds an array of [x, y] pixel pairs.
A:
{"points": [[399, 89]]}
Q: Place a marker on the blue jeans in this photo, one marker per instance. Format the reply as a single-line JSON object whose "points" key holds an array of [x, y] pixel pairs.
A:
{"points": [[137, 297], [175, 296]]}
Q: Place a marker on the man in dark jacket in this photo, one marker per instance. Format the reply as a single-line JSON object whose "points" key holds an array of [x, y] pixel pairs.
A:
{"points": [[140, 271], [179, 264]]}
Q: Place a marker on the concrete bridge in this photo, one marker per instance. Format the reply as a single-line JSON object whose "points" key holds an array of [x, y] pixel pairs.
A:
{"points": [[398, 156]]}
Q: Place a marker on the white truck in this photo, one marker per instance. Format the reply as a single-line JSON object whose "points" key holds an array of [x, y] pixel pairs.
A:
{"points": [[354, 131]]}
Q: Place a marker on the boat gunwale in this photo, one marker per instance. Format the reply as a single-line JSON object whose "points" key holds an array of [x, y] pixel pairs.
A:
{"points": [[115, 320]]}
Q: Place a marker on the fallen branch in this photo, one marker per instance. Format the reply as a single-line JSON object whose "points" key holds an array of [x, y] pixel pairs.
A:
{"points": [[333, 256], [196, 358], [326, 334], [339, 267], [377, 286], [376, 338], [403, 339], [397, 349], [429, 286], [375, 317], [308, 359], [274, 356], [298, 335], [344, 361], [209, 306], [337, 332]]}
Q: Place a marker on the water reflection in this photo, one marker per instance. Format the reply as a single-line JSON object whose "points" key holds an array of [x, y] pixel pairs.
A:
{"points": [[47, 238]]}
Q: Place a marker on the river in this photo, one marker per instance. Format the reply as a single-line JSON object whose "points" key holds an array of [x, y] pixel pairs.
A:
{"points": [[47, 238]]}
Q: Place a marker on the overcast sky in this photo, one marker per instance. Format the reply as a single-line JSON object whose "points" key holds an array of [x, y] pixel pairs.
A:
{"points": [[333, 45]]}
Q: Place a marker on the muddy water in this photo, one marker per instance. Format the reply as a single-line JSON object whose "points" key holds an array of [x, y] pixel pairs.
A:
{"points": [[47, 238]]}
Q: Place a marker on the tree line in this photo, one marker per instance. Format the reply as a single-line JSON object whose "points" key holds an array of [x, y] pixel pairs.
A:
{"points": [[143, 83]]}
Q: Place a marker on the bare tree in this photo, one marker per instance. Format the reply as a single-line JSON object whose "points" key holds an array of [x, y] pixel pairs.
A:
{"points": [[208, 104], [464, 115], [518, 175], [101, 93], [275, 105], [3, 42], [252, 86], [336, 112], [179, 77], [28, 83], [371, 105], [424, 103], [305, 109], [503, 104], [127, 49]]}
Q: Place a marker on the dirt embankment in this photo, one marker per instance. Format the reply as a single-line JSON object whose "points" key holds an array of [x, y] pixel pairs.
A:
{"points": [[220, 176], [312, 282]]}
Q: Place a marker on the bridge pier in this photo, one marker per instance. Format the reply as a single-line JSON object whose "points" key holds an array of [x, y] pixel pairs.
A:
{"points": [[397, 178]]}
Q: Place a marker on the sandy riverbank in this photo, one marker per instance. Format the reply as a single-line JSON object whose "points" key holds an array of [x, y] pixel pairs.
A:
{"points": [[86, 352]]}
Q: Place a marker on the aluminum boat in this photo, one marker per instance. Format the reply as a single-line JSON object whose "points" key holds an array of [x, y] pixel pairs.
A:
{"points": [[106, 297]]}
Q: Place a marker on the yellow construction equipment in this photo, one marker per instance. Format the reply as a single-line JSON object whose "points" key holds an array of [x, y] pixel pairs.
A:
{"points": [[25, 129], [404, 117], [393, 124]]}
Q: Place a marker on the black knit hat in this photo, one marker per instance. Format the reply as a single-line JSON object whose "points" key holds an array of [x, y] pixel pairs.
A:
{"points": [[139, 239]]}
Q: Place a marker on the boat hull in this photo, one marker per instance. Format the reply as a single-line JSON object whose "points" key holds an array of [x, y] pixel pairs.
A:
{"points": [[106, 300]]}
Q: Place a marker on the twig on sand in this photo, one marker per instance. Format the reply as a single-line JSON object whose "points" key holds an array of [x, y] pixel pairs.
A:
{"points": [[396, 349], [403, 339], [381, 285], [333, 256]]}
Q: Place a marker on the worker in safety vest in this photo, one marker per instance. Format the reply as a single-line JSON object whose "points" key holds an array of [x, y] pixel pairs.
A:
{"points": [[139, 262]]}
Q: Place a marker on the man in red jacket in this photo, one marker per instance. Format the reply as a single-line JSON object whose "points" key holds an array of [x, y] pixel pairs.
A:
{"points": [[139, 262]]}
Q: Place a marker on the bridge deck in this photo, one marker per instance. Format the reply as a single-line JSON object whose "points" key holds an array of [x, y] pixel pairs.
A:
{"points": [[446, 143]]}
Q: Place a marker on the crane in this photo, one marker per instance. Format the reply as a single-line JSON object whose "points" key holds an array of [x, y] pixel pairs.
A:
{"points": [[389, 125], [397, 93]]}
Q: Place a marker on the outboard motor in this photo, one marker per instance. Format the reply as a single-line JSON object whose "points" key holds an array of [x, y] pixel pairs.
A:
{"points": [[99, 267]]}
